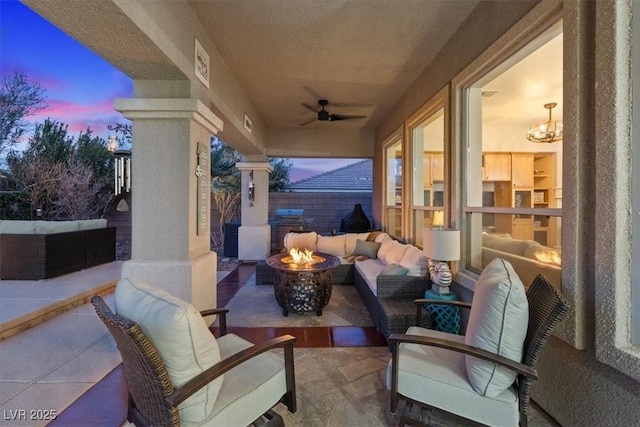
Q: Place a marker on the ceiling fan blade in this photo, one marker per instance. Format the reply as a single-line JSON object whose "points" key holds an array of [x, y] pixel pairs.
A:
{"points": [[334, 117], [308, 122], [309, 107], [313, 93]]}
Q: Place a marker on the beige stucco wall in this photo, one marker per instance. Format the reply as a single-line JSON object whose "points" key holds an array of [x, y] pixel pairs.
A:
{"points": [[596, 385]]}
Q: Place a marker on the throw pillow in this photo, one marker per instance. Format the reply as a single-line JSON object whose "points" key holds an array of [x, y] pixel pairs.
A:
{"points": [[497, 323], [301, 241], [394, 270], [385, 247], [395, 254], [332, 245], [180, 334], [368, 249], [415, 261]]}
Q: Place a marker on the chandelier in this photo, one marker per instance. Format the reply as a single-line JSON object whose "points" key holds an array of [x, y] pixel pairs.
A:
{"points": [[548, 131]]}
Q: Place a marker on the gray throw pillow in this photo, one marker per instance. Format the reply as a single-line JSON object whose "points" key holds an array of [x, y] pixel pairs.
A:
{"points": [[368, 249]]}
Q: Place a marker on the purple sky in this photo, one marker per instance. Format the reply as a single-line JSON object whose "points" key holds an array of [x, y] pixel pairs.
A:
{"points": [[81, 86]]}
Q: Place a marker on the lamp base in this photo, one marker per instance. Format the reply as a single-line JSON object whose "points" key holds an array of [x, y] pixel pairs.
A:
{"points": [[440, 290]]}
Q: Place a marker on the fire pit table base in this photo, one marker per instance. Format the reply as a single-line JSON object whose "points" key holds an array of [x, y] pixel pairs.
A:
{"points": [[302, 291], [302, 287]]}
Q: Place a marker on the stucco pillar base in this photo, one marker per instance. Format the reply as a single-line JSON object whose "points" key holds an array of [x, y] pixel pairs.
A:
{"points": [[254, 242], [193, 280]]}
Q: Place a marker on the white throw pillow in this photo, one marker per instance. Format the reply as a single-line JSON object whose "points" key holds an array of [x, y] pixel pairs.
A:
{"points": [[497, 323], [332, 245], [180, 334], [301, 241], [415, 261], [385, 247], [395, 254]]}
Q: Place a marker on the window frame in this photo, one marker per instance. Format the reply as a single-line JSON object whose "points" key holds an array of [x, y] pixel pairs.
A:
{"points": [[438, 101], [397, 135], [616, 282]]}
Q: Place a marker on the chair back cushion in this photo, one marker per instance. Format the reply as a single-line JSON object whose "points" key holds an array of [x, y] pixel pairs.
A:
{"points": [[497, 323], [180, 335]]}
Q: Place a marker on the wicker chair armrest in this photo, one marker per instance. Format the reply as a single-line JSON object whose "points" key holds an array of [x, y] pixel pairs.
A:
{"points": [[222, 317], [196, 383], [519, 368]]}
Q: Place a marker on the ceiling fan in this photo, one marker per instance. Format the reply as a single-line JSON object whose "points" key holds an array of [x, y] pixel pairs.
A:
{"points": [[325, 116]]}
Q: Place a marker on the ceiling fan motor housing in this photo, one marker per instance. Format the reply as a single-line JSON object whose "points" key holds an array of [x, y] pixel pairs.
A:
{"points": [[323, 115]]}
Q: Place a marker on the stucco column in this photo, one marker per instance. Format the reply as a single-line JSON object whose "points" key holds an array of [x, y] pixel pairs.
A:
{"points": [[171, 183], [254, 234]]}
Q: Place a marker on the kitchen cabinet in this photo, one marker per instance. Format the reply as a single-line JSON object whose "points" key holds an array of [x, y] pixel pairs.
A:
{"points": [[496, 167]]}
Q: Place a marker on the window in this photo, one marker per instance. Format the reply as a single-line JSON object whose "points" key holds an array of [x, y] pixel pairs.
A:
{"points": [[393, 184], [427, 133], [513, 194]]}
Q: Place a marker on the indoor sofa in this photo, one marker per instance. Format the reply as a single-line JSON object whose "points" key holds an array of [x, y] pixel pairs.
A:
{"points": [[528, 257], [34, 250], [388, 274]]}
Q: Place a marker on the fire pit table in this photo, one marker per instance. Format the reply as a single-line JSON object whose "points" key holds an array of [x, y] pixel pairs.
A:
{"points": [[302, 286]]}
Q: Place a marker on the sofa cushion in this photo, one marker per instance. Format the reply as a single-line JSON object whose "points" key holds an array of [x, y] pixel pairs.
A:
{"points": [[92, 224], [415, 261], [52, 227], [351, 239], [385, 247], [180, 335], [394, 270], [369, 270], [497, 323], [368, 249], [332, 245], [9, 226], [505, 244], [301, 241]]}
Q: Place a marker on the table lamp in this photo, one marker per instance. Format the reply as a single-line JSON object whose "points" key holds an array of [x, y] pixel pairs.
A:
{"points": [[441, 245]]}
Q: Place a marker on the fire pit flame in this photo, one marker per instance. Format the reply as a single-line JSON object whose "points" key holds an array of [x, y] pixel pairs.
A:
{"points": [[301, 256]]}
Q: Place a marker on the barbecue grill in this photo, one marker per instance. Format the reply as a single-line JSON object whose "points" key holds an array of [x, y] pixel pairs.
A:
{"points": [[289, 220]]}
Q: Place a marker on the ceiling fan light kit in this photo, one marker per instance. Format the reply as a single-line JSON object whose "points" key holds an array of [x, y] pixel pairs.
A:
{"points": [[546, 132]]}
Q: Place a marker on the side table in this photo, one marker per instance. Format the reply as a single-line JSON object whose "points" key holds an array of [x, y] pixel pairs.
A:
{"points": [[444, 318]]}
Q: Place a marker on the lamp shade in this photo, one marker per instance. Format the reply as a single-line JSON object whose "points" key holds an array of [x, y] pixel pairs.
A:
{"points": [[442, 244]]}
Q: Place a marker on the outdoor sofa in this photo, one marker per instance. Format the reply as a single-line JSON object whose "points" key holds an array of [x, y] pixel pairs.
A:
{"points": [[34, 250], [388, 274]]}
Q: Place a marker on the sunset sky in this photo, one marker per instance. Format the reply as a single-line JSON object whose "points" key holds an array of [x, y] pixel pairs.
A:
{"points": [[80, 86]]}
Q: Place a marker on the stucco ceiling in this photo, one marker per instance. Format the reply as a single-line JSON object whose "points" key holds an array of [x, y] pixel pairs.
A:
{"points": [[364, 52]]}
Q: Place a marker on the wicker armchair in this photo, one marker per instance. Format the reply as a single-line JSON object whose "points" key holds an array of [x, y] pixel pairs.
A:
{"points": [[546, 309], [153, 400]]}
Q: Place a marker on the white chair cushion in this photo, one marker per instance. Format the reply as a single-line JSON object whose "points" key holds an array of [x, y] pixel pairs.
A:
{"points": [[301, 241], [249, 389], [180, 335], [351, 239], [332, 245], [438, 377], [415, 261], [497, 323]]}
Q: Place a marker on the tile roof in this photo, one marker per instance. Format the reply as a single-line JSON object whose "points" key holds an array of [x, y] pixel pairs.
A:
{"points": [[356, 177]]}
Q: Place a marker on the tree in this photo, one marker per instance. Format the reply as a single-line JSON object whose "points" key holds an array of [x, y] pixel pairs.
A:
{"points": [[19, 98], [64, 179], [279, 178]]}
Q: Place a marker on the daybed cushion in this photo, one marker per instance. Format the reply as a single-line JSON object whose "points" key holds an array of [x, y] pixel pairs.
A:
{"points": [[497, 323], [301, 241], [9, 226], [368, 249], [180, 335], [332, 245]]}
